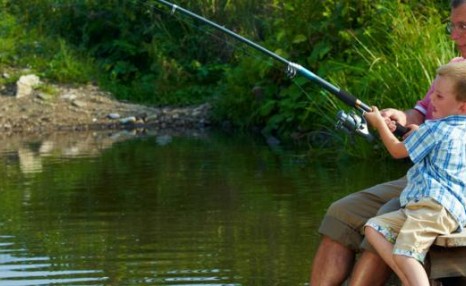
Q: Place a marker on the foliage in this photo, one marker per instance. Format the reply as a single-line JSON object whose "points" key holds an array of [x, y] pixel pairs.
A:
{"points": [[384, 52], [400, 55], [34, 51], [139, 46]]}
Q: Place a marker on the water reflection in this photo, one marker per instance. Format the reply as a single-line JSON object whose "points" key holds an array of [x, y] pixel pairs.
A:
{"points": [[30, 151], [18, 269], [164, 208]]}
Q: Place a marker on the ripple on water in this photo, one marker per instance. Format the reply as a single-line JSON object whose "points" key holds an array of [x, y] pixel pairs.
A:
{"points": [[18, 268]]}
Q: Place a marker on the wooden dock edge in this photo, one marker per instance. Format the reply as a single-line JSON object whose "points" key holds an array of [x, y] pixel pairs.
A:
{"points": [[448, 258], [452, 240]]}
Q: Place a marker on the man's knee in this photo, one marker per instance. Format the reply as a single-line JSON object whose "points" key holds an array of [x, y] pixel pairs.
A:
{"points": [[390, 206], [346, 211], [353, 210], [329, 243], [340, 226], [346, 217]]}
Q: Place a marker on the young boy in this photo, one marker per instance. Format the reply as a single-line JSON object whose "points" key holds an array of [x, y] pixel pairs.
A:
{"points": [[434, 200]]}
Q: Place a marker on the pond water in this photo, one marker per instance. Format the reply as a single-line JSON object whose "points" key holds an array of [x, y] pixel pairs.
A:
{"points": [[197, 208]]}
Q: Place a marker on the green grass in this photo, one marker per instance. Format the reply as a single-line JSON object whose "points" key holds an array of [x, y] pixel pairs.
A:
{"points": [[383, 52], [396, 65], [26, 50]]}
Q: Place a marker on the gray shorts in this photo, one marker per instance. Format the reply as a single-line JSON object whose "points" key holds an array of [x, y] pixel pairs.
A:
{"points": [[345, 218]]}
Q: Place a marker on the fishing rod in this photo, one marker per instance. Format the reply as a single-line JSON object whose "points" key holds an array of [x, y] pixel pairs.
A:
{"points": [[348, 122]]}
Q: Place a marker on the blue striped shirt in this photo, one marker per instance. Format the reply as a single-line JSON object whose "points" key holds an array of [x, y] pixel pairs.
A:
{"points": [[438, 151]]}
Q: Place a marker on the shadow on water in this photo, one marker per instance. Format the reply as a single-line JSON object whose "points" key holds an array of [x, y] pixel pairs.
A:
{"points": [[165, 208]]}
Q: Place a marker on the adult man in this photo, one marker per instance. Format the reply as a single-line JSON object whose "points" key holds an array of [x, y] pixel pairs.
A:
{"points": [[342, 224]]}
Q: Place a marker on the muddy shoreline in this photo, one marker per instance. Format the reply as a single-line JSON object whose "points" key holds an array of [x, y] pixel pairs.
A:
{"points": [[89, 108]]}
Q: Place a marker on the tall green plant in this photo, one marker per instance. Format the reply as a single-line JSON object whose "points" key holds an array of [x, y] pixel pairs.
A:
{"points": [[384, 52], [401, 68], [308, 32], [400, 53]]}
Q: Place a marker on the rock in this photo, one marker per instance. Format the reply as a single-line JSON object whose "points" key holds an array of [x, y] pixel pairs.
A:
{"points": [[77, 103], [128, 120], [272, 140], [113, 116], [26, 84], [42, 96], [68, 96], [152, 118], [141, 117], [163, 140]]}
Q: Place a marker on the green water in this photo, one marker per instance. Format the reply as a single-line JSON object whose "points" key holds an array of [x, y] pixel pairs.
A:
{"points": [[196, 208]]}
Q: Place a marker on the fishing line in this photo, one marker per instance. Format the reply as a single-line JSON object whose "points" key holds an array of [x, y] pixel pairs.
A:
{"points": [[243, 49], [201, 27], [208, 30], [348, 122]]}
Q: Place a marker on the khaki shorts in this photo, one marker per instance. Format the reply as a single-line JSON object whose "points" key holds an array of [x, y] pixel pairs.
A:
{"points": [[414, 228], [345, 218]]}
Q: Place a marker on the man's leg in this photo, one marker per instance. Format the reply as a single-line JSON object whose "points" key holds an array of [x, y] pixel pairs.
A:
{"points": [[332, 263], [370, 269], [342, 231]]}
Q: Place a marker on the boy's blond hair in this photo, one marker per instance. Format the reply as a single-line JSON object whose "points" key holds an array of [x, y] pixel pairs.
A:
{"points": [[457, 72]]}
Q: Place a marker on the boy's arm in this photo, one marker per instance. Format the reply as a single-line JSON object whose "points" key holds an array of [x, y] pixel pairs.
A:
{"points": [[396, 148]]}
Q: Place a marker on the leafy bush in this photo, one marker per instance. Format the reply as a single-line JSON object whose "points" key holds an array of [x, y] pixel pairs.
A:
{"points": [[383, 52]]}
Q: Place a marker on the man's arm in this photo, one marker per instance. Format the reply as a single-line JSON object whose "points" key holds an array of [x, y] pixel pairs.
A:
{"points": [[414, 116]]}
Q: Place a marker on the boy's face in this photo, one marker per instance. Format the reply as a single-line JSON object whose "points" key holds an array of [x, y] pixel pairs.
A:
{"points": [[444, 100]]}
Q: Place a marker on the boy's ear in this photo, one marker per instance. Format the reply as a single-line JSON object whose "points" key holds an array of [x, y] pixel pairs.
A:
{"points": [[463, 107]]}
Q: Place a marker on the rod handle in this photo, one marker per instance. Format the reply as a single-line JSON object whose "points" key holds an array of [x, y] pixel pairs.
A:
{"points": [[400, 130]]}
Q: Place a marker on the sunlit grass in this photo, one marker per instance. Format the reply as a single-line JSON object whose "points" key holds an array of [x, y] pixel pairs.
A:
{"points": [[398, 64]]}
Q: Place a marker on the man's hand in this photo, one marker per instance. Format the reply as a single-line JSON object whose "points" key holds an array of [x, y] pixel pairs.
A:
{"points": [[411, 129], [393, 116]]}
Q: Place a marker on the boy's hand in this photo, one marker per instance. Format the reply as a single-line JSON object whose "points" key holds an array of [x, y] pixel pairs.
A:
{"points": [[375, 118]]}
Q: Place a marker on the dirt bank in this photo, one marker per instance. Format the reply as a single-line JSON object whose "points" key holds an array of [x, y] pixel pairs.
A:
{"points": [[88, 108]]}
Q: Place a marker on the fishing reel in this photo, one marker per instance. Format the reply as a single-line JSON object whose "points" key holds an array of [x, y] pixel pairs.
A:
{"points": [[352, 123]]}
